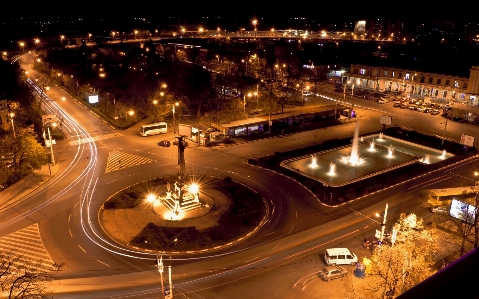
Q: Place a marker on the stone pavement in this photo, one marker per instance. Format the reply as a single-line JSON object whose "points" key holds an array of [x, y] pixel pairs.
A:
{"points": [[123, 225]]}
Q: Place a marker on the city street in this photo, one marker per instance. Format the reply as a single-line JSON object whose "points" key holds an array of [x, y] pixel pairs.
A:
{"points": [[280, 261]]}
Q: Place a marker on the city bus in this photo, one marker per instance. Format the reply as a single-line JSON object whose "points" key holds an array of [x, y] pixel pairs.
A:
{"points": [[153, 129]]}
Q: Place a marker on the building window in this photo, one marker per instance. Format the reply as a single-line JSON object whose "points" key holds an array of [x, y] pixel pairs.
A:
{"points": [[430, 79], [456, 84], [385, 73], [447, 82], [392, 75], [369, 72], [400, 76], [407, 77], [465, 85], [362, 71], [422, 79], [444, 94], [438, 81]]}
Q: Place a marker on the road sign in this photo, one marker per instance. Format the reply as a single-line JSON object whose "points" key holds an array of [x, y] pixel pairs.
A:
{"points": [[378, 234]]}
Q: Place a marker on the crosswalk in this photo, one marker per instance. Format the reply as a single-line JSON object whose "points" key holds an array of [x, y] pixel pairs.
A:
{"points": [[96, 138], [119, 160], [28, 244]]}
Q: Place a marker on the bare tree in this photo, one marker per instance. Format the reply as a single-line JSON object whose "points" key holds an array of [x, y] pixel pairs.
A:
{"points": [[269, 104], [22, 278]]}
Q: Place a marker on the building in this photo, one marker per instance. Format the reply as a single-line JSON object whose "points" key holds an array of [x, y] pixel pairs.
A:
{"points": [[414, 83]]}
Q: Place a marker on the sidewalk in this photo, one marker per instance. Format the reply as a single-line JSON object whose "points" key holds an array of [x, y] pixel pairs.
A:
{"points": [[27, 185]]}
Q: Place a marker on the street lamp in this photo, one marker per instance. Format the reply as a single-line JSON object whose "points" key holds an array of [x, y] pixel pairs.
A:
{"points": [[130, 112], [445, 125], [13, 127], [244, 101], [383, 224], [254, 22], [174, 117], [160, 266]]}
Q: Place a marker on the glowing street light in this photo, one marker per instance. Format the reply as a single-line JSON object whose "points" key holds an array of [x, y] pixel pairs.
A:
{"points": [[13, 127], [151, 198]]}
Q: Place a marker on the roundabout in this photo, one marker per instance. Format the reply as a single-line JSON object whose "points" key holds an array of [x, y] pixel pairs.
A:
{"points": [[182, 218]]}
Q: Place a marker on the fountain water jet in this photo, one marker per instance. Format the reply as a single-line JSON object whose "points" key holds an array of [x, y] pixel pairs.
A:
{"points": [[313, 164], [371, 146], [426, 159], [443, 156], [381, 136], [332, 169], [390, 151], [353, 158]]}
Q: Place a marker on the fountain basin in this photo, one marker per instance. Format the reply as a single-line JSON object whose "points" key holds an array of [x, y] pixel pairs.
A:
{"points": [[375, 163]]}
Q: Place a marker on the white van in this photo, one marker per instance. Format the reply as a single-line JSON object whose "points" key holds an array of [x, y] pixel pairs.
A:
{"points": [[340, 256]]}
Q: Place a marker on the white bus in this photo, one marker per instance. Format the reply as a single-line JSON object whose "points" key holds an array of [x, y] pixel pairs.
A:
{"points": [[153, 129]]}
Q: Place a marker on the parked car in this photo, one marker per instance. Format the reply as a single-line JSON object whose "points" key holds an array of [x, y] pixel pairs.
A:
{"points": [[439, 209], [164, 143], [435, 112], [373, 242], [397, 105], [382, 100], [404, 106], [421, 108], [412, 107], [332, 272], [428, 110]]}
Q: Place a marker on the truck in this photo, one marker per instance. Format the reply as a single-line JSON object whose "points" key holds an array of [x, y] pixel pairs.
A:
{"points": [[184, 130]]}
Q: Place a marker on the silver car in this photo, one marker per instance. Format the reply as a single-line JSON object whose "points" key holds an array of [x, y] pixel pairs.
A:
{"points": [[332, 272], [439, 209]]}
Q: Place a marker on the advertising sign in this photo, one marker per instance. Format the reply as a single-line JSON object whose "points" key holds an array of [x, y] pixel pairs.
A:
{"points": [[462, 211], [93, 99], [467, 140], [385, 120]]}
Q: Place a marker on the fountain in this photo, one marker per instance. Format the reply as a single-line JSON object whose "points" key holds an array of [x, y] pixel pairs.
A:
{"points": [[426, 159], [381, 136], [390, 151], [361, 160], [362, 139], [443, 156], [313, 164], [332, 169], [353, 158], [371, 146]]}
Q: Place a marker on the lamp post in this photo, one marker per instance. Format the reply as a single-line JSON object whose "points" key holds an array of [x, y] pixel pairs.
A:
{"points": [[160, 266], [174, 117], [51, 145], [13, 127], [244, 101], [383, 225], [445, 125], [254, 22], [155, 103]]}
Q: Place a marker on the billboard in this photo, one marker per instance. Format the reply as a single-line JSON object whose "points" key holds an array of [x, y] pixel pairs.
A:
{"points": [[93, 99], [385, 120], [467, 140], [462, 211]]}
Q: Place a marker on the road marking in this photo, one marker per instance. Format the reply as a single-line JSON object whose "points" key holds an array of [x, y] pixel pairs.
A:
{"points": [[296, 214], [103, 263], [70, 233], [27, 242], [291, 229], [69, 217], [82, 249], [96, 138], [120, 160]]}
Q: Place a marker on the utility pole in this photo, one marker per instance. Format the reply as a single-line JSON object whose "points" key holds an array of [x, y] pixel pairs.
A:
{"points": [[51, 146], [445, 126], [383, 225]]}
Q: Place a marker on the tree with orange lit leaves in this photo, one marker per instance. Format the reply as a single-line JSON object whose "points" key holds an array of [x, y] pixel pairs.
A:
{"points": [[398, 267]]}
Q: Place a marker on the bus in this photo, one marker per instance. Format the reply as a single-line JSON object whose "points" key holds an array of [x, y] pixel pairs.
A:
{"points": [[153, 129]]}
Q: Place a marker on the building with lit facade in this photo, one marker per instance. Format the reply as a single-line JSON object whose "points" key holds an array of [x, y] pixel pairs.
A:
{"points": [[439, 87]]}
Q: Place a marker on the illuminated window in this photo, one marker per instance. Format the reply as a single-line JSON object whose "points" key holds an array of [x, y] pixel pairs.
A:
{"points": [[385, 73], [392, 75], [407, 76], [456, 84], [362, 71]]}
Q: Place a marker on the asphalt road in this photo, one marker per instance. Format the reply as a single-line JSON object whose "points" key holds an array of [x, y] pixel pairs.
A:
{"points": [[269, 265]]}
